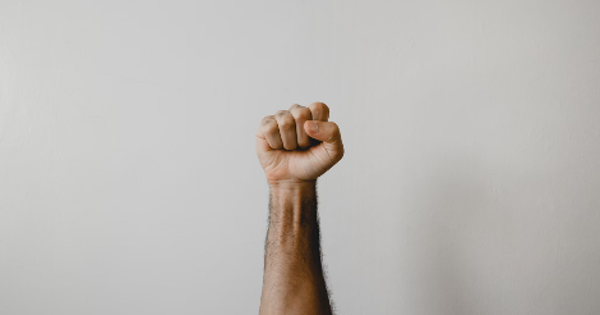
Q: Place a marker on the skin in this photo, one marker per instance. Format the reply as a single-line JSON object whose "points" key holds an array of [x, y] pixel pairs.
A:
{"points": [[293, 156]]}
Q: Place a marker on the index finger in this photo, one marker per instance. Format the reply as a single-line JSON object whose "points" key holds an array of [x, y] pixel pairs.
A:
{"points": [[319, 111]]}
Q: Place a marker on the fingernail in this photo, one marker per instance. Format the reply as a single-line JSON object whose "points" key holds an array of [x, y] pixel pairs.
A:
{"points": [[313, 126]]}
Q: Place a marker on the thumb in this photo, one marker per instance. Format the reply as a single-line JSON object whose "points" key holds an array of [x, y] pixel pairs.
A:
{"points": [[326, 131]]}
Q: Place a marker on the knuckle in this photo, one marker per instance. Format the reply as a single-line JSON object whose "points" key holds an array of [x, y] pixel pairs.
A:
{"points": [[267, 120], [302, 113], [319, 105], [270, 127], [281, 113], [287, 122], [319, 109]]}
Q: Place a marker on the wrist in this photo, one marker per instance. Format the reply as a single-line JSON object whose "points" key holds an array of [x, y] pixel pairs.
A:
{"points": [[292, 200], [292, 185]]}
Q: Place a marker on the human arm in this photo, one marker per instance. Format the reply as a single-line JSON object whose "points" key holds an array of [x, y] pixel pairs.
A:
{"points": [[293, 157], [293, 279]]}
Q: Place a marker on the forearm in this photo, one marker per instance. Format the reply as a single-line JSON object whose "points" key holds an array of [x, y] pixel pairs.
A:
{"points": [[293, 278]]}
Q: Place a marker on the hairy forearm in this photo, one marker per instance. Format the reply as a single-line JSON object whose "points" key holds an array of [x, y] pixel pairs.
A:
{"points": [[293, 276]]}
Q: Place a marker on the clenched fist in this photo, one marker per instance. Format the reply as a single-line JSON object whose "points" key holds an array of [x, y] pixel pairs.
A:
{"points": [[298, 145]]}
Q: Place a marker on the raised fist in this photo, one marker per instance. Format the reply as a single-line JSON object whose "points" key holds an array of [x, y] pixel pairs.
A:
{"points": [[298, 145]]}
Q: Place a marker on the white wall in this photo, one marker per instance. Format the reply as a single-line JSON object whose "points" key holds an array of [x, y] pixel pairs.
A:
{"points": [[129, 182]]}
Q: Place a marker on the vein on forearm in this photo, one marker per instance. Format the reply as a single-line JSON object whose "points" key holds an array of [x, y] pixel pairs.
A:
{"points": [[293, 225], [292, 249]]}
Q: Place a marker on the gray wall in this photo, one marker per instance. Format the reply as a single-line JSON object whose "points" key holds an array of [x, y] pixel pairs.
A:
{"points": [[129, 182]]}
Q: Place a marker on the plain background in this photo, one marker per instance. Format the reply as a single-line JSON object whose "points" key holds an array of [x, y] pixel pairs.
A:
{"points": [[129, 182]]}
